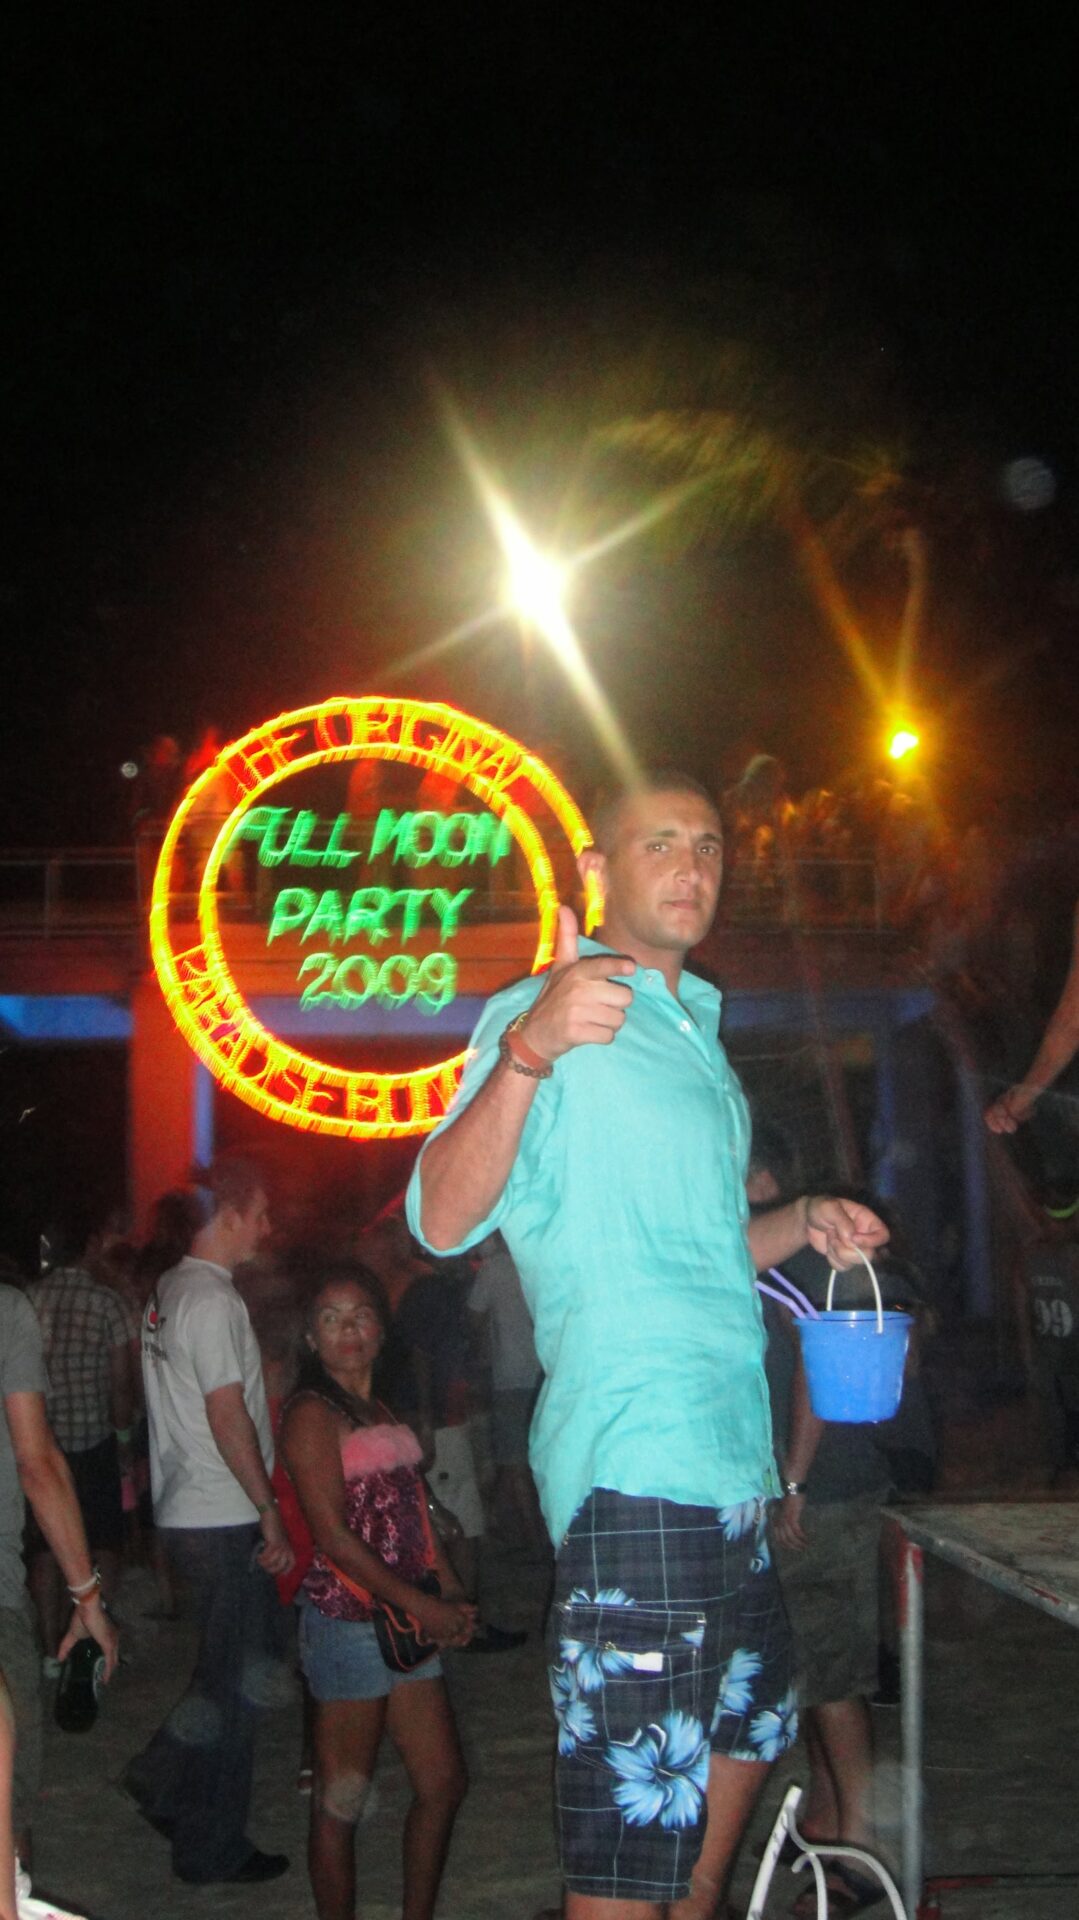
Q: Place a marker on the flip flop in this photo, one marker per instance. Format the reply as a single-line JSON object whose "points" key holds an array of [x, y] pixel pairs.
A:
{"points": [[848, 1891]]}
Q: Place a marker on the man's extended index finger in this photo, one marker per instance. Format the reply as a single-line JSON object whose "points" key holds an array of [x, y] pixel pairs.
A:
{"points": [[600, 965]]}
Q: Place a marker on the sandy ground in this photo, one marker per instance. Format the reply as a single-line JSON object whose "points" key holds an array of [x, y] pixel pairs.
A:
{"points": [[1001, 1687]]}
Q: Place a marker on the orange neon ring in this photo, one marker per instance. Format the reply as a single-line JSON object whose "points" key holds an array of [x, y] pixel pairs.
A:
{"points": [[225, 1014]]}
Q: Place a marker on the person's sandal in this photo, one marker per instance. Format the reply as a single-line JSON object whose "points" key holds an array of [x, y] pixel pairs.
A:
{"points": [[848, 1892]]}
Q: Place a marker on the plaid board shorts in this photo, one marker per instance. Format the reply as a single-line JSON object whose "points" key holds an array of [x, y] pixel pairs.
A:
{"points": [[668, 1641]]}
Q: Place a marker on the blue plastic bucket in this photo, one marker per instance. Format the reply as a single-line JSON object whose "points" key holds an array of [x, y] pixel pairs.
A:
{"points": [[854, 1360]]}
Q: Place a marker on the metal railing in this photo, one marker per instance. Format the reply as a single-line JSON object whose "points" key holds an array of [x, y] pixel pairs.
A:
{"points": [[805, 893], [70, 891]]}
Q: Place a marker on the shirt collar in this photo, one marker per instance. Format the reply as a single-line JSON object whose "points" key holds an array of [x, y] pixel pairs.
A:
{"points": [[702, 1000]]}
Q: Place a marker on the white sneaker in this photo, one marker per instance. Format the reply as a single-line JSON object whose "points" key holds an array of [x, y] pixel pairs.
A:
{"points": [[28, 1908]]}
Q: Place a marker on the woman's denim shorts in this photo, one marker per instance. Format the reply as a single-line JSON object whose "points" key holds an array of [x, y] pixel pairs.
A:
{"points": [[341, 1661]]}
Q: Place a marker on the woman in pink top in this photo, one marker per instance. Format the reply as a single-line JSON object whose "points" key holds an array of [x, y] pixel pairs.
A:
{"points": [[357, 1473]]}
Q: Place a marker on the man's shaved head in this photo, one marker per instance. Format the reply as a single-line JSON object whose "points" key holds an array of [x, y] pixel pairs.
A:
{"points": [[654, 779]]}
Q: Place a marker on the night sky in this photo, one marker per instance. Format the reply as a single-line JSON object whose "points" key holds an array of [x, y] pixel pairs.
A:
{"points": [[249, 255]]}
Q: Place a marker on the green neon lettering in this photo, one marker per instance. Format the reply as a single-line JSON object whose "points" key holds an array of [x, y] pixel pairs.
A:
{"points": [[457, 823], [385, 990], [336, 855], [345, 996], [489, 836], [414, 853], [328, 917], [366, 911], [448, 907], [411, 900], [261, 824], [298, 851], [318, 990], [387, 827], [436, 982], [291, 908]]}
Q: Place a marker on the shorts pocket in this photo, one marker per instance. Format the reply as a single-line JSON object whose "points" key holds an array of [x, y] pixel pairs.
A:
{"points": [[618, 1669]]}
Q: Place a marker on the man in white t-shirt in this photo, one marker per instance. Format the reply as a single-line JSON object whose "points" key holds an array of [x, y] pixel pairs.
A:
{"points": [[211, 1456]]}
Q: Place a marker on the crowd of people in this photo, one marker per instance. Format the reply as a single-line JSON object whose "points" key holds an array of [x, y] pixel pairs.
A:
{"points": [[308, 1442], [157, 1387]]}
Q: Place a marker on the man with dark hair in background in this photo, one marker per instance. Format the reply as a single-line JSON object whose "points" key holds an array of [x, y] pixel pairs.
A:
{"points": [[600, 1127], [211, 1457]]}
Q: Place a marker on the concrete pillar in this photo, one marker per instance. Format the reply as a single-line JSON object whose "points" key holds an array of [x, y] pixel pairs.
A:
{"points": [[164, 1109]]}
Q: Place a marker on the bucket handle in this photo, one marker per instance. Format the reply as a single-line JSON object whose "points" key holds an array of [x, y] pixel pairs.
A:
{"points": [[876, 1290]]}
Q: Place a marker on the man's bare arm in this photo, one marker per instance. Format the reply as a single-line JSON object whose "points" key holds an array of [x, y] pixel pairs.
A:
{"points": [[1060, 1043], [802, 1443], [45, 1478], [237, 1441], [465, 1168], [842, 1230]]}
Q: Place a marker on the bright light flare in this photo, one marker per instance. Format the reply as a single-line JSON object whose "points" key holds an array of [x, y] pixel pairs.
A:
{"points": [[534, 584], [902, 743], [537, 584]]}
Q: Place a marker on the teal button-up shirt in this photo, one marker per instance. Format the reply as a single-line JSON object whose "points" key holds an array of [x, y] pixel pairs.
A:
{"points": [[625, 1213]]}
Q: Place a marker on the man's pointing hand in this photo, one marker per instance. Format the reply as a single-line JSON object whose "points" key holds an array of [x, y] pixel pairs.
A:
{"points": [[581, 1004]]}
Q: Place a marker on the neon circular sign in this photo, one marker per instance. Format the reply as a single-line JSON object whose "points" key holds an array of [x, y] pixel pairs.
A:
{"points": [[276, 1078]]}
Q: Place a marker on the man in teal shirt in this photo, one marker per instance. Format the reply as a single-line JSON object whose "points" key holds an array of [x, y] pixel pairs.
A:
{"points": [[600, 1127]]}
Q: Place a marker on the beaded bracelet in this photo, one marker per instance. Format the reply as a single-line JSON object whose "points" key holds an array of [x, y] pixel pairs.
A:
{"points": [[86, 1588]]}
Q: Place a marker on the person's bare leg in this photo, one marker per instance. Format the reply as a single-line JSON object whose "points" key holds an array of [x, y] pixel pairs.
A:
{"points": [[845, 1730], [422, 1728], [818, 1816], [734, 1787], [586, 1906], [347, 1736]]}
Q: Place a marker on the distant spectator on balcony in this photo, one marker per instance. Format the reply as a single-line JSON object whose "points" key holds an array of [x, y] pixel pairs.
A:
{"points": [[155, 793]]}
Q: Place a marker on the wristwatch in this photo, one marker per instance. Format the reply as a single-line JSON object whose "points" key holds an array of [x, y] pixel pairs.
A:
{"points": [[794, 1486]]}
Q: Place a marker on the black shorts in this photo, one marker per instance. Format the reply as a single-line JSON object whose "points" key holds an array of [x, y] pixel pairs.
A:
{"points": [[96, 1473], [668, 1642]]}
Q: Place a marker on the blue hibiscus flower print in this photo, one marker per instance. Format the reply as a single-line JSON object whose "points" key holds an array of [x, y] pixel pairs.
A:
{"points": [[594, 1664], [662, 1772], [776, 1729], [576, 1721], [736, 1686], [738, 1520]]}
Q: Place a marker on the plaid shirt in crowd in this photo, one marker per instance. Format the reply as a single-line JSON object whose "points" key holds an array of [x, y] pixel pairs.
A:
{"points": [[81, 1322]]}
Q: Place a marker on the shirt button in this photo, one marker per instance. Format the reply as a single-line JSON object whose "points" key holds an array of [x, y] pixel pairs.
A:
{"points": [[684, 1024]]}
